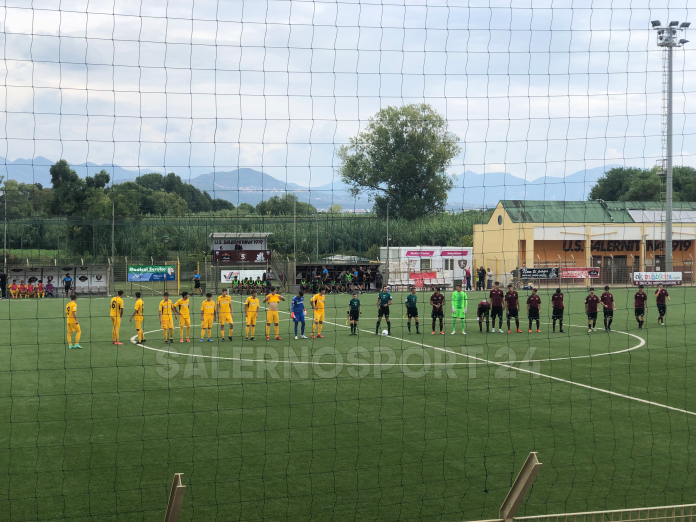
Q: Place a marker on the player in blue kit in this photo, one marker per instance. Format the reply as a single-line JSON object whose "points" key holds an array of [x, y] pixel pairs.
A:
{"points": [[298, 312]]}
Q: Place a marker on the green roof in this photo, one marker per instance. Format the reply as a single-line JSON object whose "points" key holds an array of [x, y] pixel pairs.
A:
{"points": [[521, 211]]}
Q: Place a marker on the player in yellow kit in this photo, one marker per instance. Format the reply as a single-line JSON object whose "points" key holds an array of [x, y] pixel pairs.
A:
{"points": [[207, 317], [166, 309], [73, 325], [225, 313], [251, 307], [139, 314], [182, 306], [40, 289], [116, 312], [272, 313], [318, 306]]}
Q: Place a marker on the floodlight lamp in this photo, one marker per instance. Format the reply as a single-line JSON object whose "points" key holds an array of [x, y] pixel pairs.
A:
{"points": [[685, 25], [673, 24], [683, 41], [656, 23]]}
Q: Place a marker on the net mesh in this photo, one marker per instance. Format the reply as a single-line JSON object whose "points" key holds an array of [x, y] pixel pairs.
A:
{"points": [[391, 150]]}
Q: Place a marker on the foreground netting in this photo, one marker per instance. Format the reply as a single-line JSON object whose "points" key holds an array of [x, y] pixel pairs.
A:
{"points": [[234, 147]]}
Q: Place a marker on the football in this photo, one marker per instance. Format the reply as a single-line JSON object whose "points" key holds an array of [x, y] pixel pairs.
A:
{"points": [[384, 332]]}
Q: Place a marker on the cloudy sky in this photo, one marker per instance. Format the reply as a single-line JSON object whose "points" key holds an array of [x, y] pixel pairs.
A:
{"points": [[531, 87]]}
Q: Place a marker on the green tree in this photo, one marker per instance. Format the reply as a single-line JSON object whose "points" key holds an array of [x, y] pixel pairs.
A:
{"points": [[644, 186], [401, 160], [613, 184], [68, 190], [285, 205], [246, 209], [335, 209]]}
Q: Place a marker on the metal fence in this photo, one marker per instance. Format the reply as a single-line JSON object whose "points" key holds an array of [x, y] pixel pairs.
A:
{"points": [[677, 513]]}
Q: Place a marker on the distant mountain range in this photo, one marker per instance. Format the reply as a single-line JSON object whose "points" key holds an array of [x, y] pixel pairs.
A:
{"points": [[245, 185]]}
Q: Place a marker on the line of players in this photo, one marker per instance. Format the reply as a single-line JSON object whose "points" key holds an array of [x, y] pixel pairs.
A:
{"points": [[493, 308], [22, 291], [486, 309]]}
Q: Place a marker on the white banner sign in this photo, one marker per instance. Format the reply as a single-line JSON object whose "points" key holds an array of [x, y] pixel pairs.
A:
{"points": [[655, 278], [16, 274], [227, 276], [98, 277], [82, 277]]}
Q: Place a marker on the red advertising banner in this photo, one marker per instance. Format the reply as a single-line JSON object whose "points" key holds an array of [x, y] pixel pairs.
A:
{"points": [[420, 253], [252, 257], [580, 273], [454, 253], [419, 276]]}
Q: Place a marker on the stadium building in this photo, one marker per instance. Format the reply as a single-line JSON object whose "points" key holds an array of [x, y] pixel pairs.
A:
{"points": [[618, 237]]}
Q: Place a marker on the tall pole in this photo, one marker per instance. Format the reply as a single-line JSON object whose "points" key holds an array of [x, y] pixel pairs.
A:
{"points": [[113, 219], [294, 231], [387, 270], [667, 38], [669, 261]]}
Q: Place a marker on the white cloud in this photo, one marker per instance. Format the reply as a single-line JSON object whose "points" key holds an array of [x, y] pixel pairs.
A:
{"points": [[278, 85]]}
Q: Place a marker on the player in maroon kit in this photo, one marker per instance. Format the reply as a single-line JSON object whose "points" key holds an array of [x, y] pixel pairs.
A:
{"points": [[512, 303], [483, 310], [495, 298], [558, 309], [640, 305], [609, 306], [591, 304], [660, 295], [533, 305], [437, 300]]}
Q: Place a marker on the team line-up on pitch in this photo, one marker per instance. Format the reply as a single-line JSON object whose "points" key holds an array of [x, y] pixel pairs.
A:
{"points": [[486, 310]]}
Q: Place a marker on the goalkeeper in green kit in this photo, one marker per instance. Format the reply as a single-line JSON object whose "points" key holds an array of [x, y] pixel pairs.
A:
{"points": [[459, 305]]}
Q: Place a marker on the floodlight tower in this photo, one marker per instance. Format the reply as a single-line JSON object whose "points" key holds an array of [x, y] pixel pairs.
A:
{"points": [[667, 39]]}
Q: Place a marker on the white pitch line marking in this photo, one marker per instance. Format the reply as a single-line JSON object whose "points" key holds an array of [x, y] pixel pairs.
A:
{"points": [[480, 360]]}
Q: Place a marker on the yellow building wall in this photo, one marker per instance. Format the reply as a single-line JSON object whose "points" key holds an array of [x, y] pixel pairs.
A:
{"points": [[497, 245]]}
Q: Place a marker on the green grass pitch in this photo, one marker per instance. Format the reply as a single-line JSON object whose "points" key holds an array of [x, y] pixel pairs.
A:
{"points": [[97, 433]]}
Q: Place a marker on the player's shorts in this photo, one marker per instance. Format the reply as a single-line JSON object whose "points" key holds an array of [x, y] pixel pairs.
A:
{"points": [[412, 312], [299, 316], [271, 317], [662, 308], [458, 313], [115, 321], [72, 327], [319, 316], [251, 319], [224, 318], [167, 323], [383, 311], [437, 314], [592, 315], [483, 311], [197, 284], [184, 321], [138, 323], [496, 311], [354, 315], [207, 322], [14, 293], [513, 312], [557, 313], [608, 312], [534, 313], [639, 311]]}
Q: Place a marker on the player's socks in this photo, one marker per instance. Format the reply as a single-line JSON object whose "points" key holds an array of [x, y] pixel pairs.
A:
{"points": [[253, 331], [389, 328], [70, 339], [463, 325], [594, 323], [417, 327], [537, 322], [377, 327], [276, 329], [246, 332], [611, 320], [268, 329], [530, 325], [560, 325], [409, 327], [295, 329], [314, 327], [480, 326], [319, 327]]}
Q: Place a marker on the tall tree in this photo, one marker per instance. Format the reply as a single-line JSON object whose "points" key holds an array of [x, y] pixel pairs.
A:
{"points": [[401, 160], [68, 190]]}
